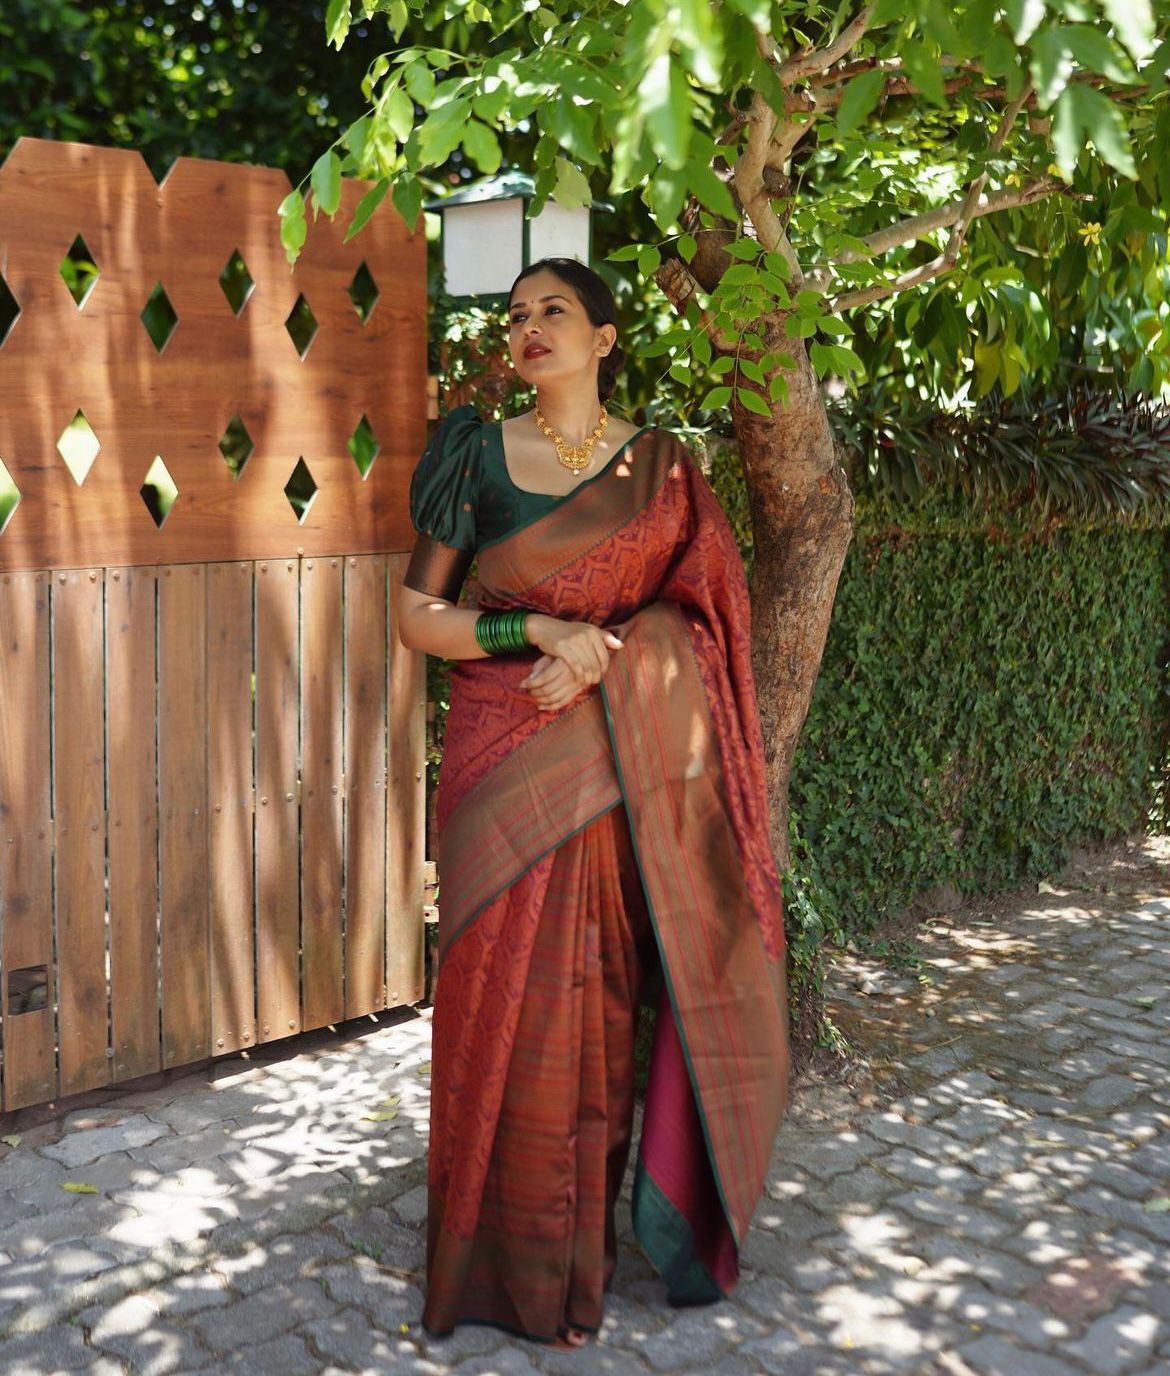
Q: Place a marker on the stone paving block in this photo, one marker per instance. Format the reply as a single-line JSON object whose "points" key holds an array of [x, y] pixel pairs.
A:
{"points": [[79, 1148], [287, 1355], [68, 1263], [974, 1304], [411, 1207], [390, 1298], [827, 1155], [188, 1294], [995, 1356], [1110, 1091], [291, 1256], [511, 1360], [263, 1315], [1095, 1200], [467, 1340], [348, 1337], [932, 1171], [60, 1348], [703, 1333], [1117, 1341], [386, 1241], [950, 1259], [963, 1218], [156, 1349], [176, 1151]]}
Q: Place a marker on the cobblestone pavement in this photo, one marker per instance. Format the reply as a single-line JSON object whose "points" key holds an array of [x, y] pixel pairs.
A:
{"points": [[996, 1202]]}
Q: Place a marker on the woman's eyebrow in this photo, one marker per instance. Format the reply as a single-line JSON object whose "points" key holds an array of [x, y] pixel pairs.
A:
{"points": [[556, 296]]}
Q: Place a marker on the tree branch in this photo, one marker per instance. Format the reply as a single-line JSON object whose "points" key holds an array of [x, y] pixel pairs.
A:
{"points": [[985, 205], [918, 226], [812, 60]]}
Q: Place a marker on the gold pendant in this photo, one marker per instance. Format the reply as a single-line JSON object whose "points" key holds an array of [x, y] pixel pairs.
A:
{"points": [[574, 457]]}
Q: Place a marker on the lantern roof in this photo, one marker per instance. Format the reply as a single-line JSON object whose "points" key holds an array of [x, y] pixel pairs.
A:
{"points": [[501, 186]]}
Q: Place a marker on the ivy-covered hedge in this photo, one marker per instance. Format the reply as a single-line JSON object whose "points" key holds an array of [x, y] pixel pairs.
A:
{"points": [[986, 701]]}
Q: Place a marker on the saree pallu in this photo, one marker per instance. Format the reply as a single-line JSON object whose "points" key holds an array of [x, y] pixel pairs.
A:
{"points": [[581, 852]]}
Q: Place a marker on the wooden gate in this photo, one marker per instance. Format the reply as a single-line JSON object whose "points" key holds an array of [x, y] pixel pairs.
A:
{"points": [[211, 739]]}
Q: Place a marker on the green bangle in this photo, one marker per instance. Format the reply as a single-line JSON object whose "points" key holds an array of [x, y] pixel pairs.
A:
{"points": [[501, 632]]}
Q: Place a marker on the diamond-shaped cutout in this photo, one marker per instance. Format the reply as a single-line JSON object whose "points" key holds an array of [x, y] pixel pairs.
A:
{"points": [[363, 292], [78, 446], [236, 281], [9, 496], [158, 491], [236, 445], [363, 445], [301, 489], [301, 325], [158, 315], [9, 310], [79, 271]]}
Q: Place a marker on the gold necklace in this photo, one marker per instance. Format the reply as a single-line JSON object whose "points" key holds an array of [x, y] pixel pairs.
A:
{"points": [[574, 457]]}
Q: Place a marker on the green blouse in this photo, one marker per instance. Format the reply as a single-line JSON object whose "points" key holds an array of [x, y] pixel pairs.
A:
{"points": [[461, 494]]}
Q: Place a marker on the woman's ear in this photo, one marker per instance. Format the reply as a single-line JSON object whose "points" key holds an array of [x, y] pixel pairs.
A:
{"points": [[608, 339]]}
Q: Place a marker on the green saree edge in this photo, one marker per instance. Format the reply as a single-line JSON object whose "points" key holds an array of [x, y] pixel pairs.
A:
{"points": [[667, 1239], [682, 1036], [536, 859]]}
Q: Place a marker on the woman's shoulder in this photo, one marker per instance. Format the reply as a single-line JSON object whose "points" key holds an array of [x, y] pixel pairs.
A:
{"points": [[445, 485]]}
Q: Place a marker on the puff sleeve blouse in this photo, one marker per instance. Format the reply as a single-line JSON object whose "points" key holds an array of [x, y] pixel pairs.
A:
{"points": [[444, 498]]}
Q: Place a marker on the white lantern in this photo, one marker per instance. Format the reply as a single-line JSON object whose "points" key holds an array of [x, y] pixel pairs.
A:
{"points": [[487, 236]]}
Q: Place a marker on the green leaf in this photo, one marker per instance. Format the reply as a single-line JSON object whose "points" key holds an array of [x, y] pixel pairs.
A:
{"points": [[701, 346], [746, 249], [13, 1141], [1025, 17], [778, 388], [408, 194], [366, 207], [1082, 109], [380, 1115], [716, 399], [687, 247], [336, 22], [833, 324], [665, 193], [859, 99], [292, 224], [397, 110], [722, 365], [482, 146], [752, 371], [1134, 22], [442, 132], [572, 186], [752, 401], [357, 136], [419, 80], [709, 189], [75, 1188], [1160, 1205], [326, 181], [665, 104], [649, 259], [681, 372], [399, 17]]}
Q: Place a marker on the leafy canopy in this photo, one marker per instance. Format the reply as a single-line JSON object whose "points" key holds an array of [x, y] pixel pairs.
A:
{"points": [[876, 185]]}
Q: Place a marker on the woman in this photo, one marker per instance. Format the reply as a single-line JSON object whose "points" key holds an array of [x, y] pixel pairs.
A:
{"points": [[603, 824]]}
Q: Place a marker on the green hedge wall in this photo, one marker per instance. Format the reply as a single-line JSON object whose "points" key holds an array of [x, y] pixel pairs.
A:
{"points": [[986, 701]]}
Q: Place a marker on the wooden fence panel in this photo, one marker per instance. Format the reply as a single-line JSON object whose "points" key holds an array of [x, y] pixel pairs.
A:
{"points": [[231, 800], [225, 846], [26, 847], [406, 807], [365, 782], [322, 818], [79, 759], [182, 792], [277, 859], [131, 760]]}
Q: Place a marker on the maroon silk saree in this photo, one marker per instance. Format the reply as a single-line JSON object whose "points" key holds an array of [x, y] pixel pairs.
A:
{"points": [[580, 851]]}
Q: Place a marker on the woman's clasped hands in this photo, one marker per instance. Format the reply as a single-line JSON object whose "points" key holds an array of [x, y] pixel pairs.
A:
{"points": [[575, 655]]}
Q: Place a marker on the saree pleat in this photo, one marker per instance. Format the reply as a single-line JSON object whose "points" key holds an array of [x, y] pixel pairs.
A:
{"points": [[532, 1091]]}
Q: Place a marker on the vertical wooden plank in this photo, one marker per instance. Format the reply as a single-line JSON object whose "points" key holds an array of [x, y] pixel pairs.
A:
{"points": [[231, 803], [133, 820], [322, 839], [277, 848], [405, 807], [79, 793], [182, 784], [26, 847], [365, 784]]}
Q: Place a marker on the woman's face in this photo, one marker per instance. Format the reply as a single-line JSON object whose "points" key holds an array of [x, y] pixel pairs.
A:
{"points": [[549, 334]]}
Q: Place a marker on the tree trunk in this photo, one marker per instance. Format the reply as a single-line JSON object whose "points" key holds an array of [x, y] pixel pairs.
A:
{"points": [[802, 522]]}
